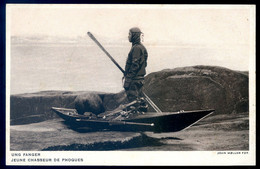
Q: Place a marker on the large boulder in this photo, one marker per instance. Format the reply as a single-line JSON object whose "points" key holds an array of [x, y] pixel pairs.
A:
{"points": [[199, 87], [36, 107], [112, 100], [89, 102], [185, 88]]}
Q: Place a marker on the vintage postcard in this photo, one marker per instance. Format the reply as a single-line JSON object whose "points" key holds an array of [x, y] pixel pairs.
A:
{"points": [[120, 85]]}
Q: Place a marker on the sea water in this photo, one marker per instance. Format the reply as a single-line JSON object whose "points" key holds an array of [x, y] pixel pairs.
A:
{"points": [[65, 67], [79, 67], [72, 67]]}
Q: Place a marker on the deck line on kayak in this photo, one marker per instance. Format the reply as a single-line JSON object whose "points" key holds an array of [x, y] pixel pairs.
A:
{"points": [[197, 121]]}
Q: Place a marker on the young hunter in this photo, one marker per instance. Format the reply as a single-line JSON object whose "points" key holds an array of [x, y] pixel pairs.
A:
{"points": [[135, 71]]}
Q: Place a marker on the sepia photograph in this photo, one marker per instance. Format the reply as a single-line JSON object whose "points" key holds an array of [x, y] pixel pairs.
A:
{"points": [[130, 84]]}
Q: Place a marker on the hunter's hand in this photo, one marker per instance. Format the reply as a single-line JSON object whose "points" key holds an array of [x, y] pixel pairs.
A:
{"points": [[127, 83]]}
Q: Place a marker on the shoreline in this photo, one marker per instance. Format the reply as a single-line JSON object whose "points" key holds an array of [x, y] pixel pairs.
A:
{"points": [[210, 134]]}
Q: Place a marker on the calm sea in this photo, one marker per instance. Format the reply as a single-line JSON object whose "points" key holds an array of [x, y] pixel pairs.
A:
{"points": [[73, 67]]}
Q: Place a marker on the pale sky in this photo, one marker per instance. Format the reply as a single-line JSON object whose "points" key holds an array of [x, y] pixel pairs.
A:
{"points": [[175, 35], [217, 27], [174, 24]]}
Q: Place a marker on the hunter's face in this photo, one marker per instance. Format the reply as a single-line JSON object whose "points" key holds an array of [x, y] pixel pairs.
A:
{"points": [[129, 36]]}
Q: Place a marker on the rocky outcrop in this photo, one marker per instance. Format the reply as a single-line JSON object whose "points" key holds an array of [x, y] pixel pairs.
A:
{"points": [[36, 107], [89, 102], [199, 87], [186, 88]]}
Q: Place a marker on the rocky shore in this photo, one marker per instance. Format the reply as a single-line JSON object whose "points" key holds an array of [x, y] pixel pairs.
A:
{"points": [[34, 126], [214, 133], [187, 88]]}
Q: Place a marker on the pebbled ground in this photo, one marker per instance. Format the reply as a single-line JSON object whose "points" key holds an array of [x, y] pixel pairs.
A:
{"points": [[214, 133]]}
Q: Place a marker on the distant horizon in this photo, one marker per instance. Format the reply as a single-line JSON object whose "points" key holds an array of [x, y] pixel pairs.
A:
{"points": [[59, 40], [176, 24], [245, 72], [53, 50]]}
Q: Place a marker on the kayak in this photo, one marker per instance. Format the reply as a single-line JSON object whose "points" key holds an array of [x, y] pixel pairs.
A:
{"points": [[150, 121]]}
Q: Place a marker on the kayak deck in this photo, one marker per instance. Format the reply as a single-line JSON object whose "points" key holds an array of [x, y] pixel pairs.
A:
{"points": [[150, 121]]}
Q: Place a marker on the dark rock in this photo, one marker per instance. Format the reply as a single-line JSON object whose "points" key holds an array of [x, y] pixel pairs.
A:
{"points": [[241, 106], [186, 88], [89, 102], [25, 108], [34, 107], [198, 87], [112, 101]]}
